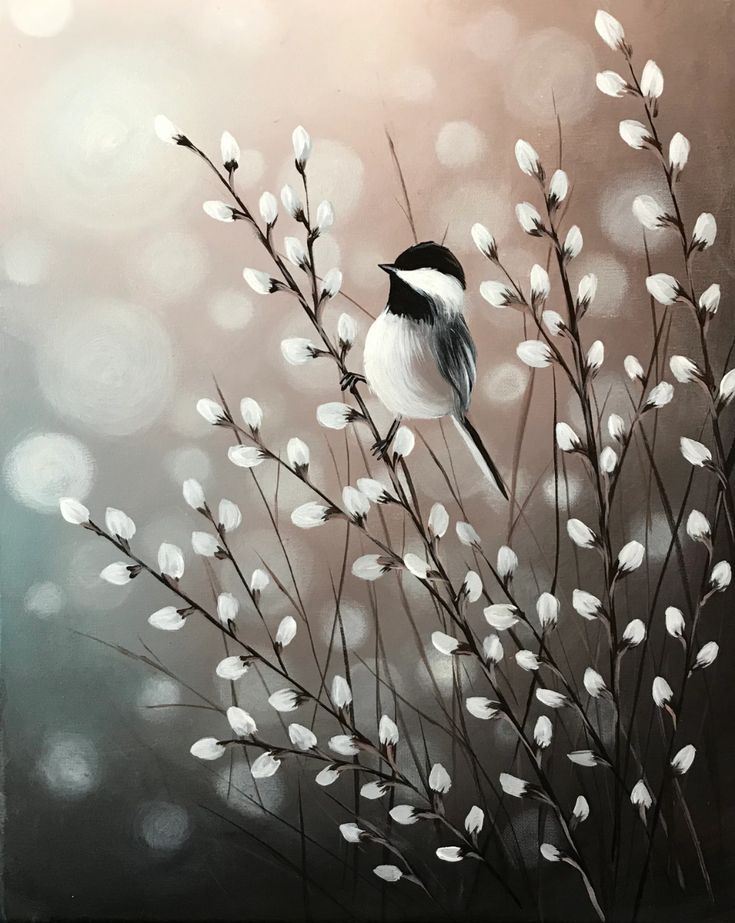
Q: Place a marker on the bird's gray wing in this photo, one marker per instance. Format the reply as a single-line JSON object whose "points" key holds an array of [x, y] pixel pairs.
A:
{"points": [[456, 357]]}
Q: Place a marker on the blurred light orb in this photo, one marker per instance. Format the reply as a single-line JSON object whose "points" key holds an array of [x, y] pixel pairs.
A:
{"points": [[158, 690], [44, 599], [248, 27], [335, 172], [46, 466], [505, 383], [355, 624], [26, 259], [570, 489], [188, 462], [91, 149], [413, 84], [251, 169], [163, 826], [618, 222], [82, 569], [476, 200], [612, 284], [493, 35], [109, 366], [40, 18], [69, 765], [244, 794], [169, 267], [459, 144], [551, 65], [231, 309]]}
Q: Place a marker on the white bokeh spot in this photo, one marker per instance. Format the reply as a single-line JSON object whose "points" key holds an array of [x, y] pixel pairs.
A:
{"points": [[40, 18], [459, 144], [46, 466], [69, 765]]}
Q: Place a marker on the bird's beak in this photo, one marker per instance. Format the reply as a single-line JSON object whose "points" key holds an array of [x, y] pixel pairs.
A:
{"points": [[387, 267]]}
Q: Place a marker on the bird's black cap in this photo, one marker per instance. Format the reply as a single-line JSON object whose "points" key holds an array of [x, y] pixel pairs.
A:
{"points": [[429, 255]]}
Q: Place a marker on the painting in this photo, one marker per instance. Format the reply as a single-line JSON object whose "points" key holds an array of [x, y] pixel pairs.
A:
{"points": [[367, 473]]}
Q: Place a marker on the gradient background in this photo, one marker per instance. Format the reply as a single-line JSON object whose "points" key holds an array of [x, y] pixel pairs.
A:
{"points": [[119, 299]]}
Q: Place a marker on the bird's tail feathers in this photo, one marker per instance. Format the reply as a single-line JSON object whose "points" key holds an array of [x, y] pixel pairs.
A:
{"points": [[480, 453]]}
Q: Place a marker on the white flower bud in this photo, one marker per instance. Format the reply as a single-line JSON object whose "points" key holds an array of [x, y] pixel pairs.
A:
{"points": [[679, 148], [615, 426], [295, 252], [373, 790], [726, 391], [388, 872], [633, 368], [528, 159], [241, 722], [705, 232], [498, 294], [630, 557], [260, 282], [291, 202], [573, 243], [551, 699], [558, 187], [324, 216], [232, 668], [650, 214], [474, 821], [472, 586], [640, 796], [707, 655], [698, 527], [301, 145], [344, 744], [331, 283], [73, 511], [328, 776], [683, 760], [595, 356], [610, 30], [310, 515], [684, 369], [245, 456], [227, 608], [220, 211], [543, 732], [285, 700], [484, 241], [341, 692], [581, 809], [369, 567], [527, 660], [416, 565], [450, 853], [438, 521], [507, 562], [695, 453], [608, 460], [661, 691], [586, 605], [635, 134], [170, 561], [593, 683], [512, 785], [720, 577], [229, 516], [268, 206], [193, 494], [403, 443], [298, 456], [167, 619], [586, 290], [709, 300], [404, 814], [547, 609], [584, 758], [554, 322], [611, 84], [387, 731], [286, 631], [634, 633], [652, 80], [482, 708], [334, 415], [205, 544], [119, 524], [467, 534], [566, 439], [298, 350], [550, 852], [264, 766], [492, 649], [346, 331], [118, 574], [351, 832], [210, 411], [664, 288], [208, 748], [540, 284], [581, 534], [439, 779], [501, 616], [301, 737], [675, 623], [375, 491], [167, 131], [535, 353], [259, 580], [251, 413], [529, 219], [230, 150]]}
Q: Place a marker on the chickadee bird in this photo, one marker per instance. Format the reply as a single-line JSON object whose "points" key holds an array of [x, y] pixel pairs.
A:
{"points": [[420, 358]]}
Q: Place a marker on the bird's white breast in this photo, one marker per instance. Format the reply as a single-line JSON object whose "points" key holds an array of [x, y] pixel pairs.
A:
{"points": [[402, 371]]}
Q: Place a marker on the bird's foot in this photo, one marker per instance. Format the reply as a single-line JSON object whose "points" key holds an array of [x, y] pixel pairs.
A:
{"points": [[350, 379], [381, 446]]}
